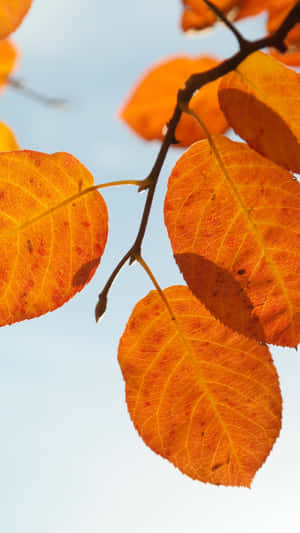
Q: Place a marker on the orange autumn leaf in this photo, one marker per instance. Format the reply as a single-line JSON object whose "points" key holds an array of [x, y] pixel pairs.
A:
{"points": [[8, 56], [8, 142], [203, 397], [12, 13], [260, 100], [233, 219], [51, 238], [197, 15], [152, 103]]}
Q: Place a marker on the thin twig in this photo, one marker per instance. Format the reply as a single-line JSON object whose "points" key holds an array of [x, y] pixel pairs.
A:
{"points": [[149, 272], [35, 95]]}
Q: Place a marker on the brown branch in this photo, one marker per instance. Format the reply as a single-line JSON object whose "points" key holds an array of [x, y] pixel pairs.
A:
{"points": [[194, 83]]}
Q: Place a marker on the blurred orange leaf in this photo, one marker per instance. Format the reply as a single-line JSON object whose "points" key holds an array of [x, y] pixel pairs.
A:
{"points": [[203, 397], [12, 13], [260, 100], [234, 224], [8, 56], [51, 237], [152, 102], [249, 8], [8, 142]]}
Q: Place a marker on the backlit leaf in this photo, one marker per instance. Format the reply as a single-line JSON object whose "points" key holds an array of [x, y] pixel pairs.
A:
{"points": [[203, 397], [152, 102], [234, 226], [8, 142], [51, 239], [261, 101], [12, 13], [8, 56]]}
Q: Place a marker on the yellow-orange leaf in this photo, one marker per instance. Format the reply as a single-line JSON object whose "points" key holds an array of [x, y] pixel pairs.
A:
{"points": [[234, 224], [8, 56], [12, 13], [197, 15], [261, 101], [203, 397], [50, 247], [152, 102], [8, 142]]}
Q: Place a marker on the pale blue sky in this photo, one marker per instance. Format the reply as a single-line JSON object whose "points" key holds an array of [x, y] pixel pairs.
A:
{"points": [[70, 460]]}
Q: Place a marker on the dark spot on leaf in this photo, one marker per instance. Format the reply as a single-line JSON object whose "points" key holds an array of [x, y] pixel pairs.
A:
{"points": [[85, 272], [29, 245], [217, 466], [241, 271]]}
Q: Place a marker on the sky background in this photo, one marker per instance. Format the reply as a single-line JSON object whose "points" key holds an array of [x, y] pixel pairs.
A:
{"points": [[70, 459]]}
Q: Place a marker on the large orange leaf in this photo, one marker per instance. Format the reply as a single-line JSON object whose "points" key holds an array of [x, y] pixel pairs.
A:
{"points": [[51, 239], [12, 13], [8, 56], [261, 101], [203, 397], [152, 102], [234, 224], [197, 15], [8, 142]]}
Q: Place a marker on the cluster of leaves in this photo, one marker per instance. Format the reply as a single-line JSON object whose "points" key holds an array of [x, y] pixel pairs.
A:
{"points": [[197, 16], [201, 386]]}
